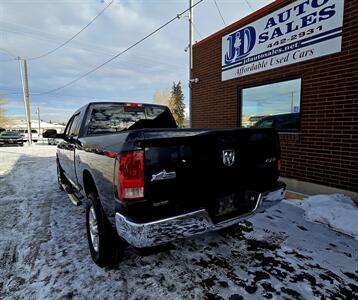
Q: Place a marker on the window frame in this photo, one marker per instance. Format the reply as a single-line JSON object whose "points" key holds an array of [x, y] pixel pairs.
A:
{"points": [[268, 82], [77, 124], [68, 126]]}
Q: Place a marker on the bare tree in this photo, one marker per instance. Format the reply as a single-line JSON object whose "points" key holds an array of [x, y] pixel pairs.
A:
{"points": [[157, 98], [3, 119], [166, 97], [162, 98]]}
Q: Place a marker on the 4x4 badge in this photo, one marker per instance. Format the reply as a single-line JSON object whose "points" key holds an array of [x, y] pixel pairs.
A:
{"points": [[228, 157]]}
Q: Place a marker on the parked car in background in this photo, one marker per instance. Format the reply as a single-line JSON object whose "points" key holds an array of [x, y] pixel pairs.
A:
{"points": [[147, 183], [252, 120], [283, 122], [10, 138], [34, 134], [2, 129]]}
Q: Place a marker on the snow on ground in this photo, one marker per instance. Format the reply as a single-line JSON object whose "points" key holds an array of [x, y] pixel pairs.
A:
{"points": [[44, 252], [337, 211]]}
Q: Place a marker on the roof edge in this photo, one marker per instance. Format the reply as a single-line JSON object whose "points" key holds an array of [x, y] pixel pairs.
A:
{"points": [[241, 21]]}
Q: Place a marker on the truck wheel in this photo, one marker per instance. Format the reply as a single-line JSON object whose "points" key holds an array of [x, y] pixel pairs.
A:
{"points": [[105, 246], [59, 177]]}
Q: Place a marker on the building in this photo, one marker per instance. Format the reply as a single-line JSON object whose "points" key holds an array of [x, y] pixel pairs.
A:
{"points": [[293, 64], [21, 125]]}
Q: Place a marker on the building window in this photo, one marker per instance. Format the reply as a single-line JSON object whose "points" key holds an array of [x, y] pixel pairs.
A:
{"points": [[275, 105]]}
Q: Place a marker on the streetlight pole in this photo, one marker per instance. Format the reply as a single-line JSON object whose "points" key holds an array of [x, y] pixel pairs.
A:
{"points": [[25, 91], [191, 39], [38, 115]]}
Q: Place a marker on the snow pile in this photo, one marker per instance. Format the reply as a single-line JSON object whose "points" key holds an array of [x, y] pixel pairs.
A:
{"points": [[337, 211]]}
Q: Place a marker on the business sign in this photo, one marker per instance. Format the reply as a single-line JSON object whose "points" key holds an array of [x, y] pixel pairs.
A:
{"points": [[303, 30]]}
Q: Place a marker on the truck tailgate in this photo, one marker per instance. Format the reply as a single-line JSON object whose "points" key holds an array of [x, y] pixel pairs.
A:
{"points": [[223, 171]]}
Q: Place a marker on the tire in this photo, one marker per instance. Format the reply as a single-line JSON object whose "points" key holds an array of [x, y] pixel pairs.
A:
{"points": [[105, 246], [59, 176]]}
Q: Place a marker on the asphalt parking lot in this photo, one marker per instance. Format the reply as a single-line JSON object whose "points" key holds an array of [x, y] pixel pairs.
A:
{"points": [[44, 251]]}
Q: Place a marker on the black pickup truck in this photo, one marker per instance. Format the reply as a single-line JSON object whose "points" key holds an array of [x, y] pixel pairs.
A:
{"points": [[147, 183]]}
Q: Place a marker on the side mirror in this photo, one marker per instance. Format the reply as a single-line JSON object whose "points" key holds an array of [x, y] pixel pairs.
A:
{"points": [[52, 134], [49, 134], [60, 136]]}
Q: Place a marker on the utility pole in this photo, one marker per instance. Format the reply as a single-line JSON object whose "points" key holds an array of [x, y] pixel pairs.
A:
{"points": [[25, 91], [191, 39], [38, 115]]}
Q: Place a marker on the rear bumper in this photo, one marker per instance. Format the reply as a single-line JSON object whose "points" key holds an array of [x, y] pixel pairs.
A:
{"points": [[12, 143], [186, 225]]}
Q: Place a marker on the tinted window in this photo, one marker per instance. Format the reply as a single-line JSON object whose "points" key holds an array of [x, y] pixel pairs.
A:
{"points": [[111, 118], [32, 131], [277, 99], [9, 133], [267, 123], [287, 122]]}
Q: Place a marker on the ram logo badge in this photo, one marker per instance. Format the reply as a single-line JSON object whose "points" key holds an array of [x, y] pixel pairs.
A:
{"points": [[228, 157]]}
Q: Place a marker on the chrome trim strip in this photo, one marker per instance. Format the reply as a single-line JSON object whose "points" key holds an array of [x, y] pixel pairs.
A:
{"points": [[75, 201]]}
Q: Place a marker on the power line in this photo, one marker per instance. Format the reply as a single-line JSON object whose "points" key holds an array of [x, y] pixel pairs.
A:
{"points": [[90, 47], [7, 60], [8, 53], [9, 94], [120, 53], [249, 5], [47, 37], [7, 89], [219, 11], [69, 40]]}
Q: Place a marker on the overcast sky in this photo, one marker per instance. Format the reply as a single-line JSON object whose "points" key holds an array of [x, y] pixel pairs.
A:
{"points": [[30, 28]]}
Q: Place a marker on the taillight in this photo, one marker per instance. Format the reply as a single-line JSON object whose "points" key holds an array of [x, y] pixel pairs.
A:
{"points": [[130, 176], [133, 105], [279, 164], [278, 150]]}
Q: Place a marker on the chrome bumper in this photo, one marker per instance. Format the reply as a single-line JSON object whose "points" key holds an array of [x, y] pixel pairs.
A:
{"points": [[186, 225]]}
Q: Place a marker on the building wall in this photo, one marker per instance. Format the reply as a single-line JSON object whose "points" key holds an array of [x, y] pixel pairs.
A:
{"points": [[326, 149]]}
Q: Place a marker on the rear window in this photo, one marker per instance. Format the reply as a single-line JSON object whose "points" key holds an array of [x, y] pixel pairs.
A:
{"points": [[111, 118], [25, 131], [9, 133]]}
